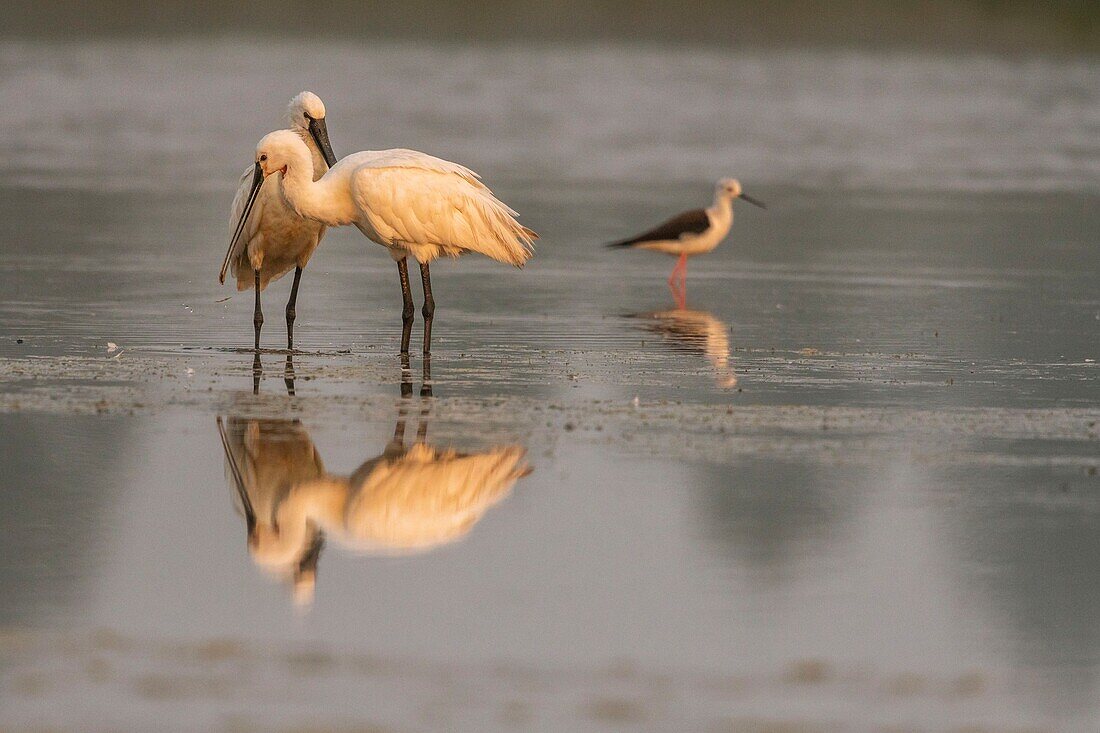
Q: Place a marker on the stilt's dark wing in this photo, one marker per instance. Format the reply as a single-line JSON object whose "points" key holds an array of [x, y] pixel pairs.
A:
{"points": [[695, 221]]}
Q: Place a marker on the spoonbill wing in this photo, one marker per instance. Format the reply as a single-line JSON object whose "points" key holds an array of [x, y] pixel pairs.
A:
{"points": [[427, 201]]}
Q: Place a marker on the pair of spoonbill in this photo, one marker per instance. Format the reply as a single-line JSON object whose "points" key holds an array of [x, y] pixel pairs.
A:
{"points": [[409, 202]]}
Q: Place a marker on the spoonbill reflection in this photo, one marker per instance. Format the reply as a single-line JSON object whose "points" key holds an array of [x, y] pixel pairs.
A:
{"points": [[406, 500], [693, 232], [270, 238], [695, 331], [264, 460], [411, 203]]}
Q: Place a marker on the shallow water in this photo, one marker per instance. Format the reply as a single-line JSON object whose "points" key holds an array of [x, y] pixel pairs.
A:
{"points": [[853, 485]]}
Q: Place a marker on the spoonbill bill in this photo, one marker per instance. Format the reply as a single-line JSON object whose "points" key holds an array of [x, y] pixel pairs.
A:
{"points": [[270, 238], [693, 232], [407, 201]]}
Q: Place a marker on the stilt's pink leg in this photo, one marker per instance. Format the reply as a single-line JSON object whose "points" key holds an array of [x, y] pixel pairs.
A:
{"points": [[680, 297], [676, 279], [681, 263], [672, 275]]}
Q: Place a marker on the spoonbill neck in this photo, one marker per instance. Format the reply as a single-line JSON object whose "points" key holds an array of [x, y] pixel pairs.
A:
{"points": [[319, 503], [327, 200]]}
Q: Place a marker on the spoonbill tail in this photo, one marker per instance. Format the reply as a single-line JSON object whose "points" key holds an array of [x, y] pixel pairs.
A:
{"points": [[270, 238], [409, 202], [693, 232]]}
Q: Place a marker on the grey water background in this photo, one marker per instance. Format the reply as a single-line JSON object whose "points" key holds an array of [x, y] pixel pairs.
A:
{"points": [[931, 248]]}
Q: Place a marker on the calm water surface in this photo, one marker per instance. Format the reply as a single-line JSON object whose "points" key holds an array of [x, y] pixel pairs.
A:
{"points": [[852, 484]]}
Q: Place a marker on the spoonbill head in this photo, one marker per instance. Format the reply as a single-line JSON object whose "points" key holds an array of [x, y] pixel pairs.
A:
{"points": [[306, 112], [407, 201], [269, 239], [693, 232]]}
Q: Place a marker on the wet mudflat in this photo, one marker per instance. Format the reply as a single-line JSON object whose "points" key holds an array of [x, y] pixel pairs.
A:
{"points": [[851, 486]]}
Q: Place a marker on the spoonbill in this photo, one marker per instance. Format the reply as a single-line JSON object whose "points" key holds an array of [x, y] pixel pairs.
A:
{"points": [[275, 238], [409, 202], [693, 232]]}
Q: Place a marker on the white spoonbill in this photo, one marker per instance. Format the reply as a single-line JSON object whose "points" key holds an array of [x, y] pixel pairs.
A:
{"points": [[693, 232], [410, 202], [271, 238]]}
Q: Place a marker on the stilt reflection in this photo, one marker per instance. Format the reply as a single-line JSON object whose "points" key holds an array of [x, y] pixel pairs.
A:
{"points": [[695, 332]]}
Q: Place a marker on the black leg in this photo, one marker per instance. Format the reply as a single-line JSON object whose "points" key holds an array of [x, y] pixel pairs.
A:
{"points": [[406, 377], [426, 386], [291, 314], [407, 306], [288, 375], [257, 372], [421, 428], [429, 306], [258, 315], [396, 446]]}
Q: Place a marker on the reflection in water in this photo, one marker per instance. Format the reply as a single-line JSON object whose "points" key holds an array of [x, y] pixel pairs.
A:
{"points": [[265, 460], [258, 373], [406, 500], [695, 332]]}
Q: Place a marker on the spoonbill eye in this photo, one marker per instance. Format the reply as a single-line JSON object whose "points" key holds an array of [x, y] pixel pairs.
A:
{"points": [[263, 157]]}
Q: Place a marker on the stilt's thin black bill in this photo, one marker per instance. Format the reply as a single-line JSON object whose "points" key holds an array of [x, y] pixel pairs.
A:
{"points": [[257, 181], [319, 131], [751, 200]]}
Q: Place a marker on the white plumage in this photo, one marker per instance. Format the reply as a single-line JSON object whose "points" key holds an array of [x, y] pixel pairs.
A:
{"points": [[275, 239], [268, 237], [409, 202]]}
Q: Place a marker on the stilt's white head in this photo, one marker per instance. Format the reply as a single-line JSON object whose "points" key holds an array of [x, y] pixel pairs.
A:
{"points": [[307, 112], [728, 189]]}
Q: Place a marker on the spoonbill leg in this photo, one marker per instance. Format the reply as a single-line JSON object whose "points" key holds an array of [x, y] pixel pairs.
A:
{"points": [[291, 314], [257, 373], [406, 376], [407, 308], [258, 315], [429, 306], [426, 384], [288, 375]]}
